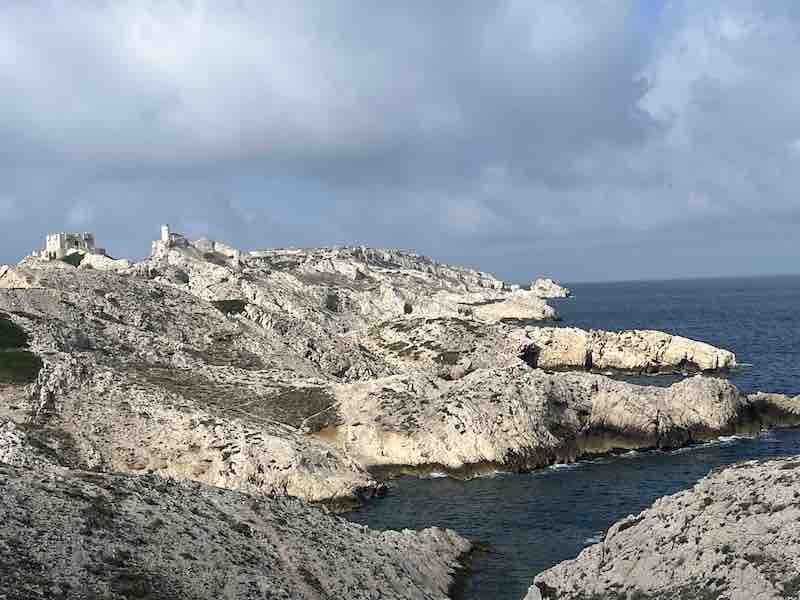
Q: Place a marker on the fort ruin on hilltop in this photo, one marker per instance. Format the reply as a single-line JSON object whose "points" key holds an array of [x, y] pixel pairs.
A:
{"points": [[170, 239], [59, 245], [62, 244]]}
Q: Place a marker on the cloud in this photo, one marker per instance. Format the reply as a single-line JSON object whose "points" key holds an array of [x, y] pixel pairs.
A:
{"points": [[507, 134]]}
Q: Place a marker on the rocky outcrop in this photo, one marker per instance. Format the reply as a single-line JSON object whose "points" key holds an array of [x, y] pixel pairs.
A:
{"points": [[179, 424], [453, 347], [140, 377], [518, 418], [640, 351], [312, 298], [13, 278], [306, 372], [519, 305], [548, 288], [345, 289], [735, 535], [776, 410], [78, 534], [349, 261], [17, 450], [104, 263], [446, 347]]}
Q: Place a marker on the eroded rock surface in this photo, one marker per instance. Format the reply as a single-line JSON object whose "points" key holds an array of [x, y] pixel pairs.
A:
{"points": [[643, 351], [76, 534], [517, 418], [735, 535], [548, 288], [452, 347], [301, 372], [142, 377]]}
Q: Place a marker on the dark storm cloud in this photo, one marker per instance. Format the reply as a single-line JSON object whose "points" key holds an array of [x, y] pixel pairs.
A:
{"points": [[522, 136]]}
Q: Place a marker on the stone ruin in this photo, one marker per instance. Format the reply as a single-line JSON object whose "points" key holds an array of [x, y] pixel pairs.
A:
{"points": [[170, 239], [62, 244], [59, 245]]}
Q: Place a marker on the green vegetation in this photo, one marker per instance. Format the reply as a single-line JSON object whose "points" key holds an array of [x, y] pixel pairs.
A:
{"points": [[332, 303], [230, 307], [11, 335], [19, 366], [216, 258], [73, 259], [16, 364]]}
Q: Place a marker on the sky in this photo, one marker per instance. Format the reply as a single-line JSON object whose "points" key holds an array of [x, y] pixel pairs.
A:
{"points": [[587, 140]]}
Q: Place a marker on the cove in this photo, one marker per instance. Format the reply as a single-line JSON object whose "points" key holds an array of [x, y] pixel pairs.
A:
{"points": [[533, 521]]}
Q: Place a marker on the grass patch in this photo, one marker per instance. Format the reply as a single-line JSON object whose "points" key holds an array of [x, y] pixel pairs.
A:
{"points": [[11, 335], [230, 307], [73, 259], [216, 258], [19, 366]]}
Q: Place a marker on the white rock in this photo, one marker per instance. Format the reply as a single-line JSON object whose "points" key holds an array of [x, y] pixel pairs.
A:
{"points": [[548, 288], [735, 535], [635, 350], [103, 263], [519, 418], [145, 536], [519, 305]]}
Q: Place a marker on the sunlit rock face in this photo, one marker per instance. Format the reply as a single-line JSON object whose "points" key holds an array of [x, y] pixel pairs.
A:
{"points": [[517, 418], [306, 372], [549, 288], [641, 351]]}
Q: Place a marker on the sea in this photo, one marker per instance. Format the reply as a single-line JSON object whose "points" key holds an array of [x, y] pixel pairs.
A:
{"points": [[530, 522]]}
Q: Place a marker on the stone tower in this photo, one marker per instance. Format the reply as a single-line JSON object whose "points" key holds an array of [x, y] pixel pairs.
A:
{"points": [[58, 245], [165, 234]]}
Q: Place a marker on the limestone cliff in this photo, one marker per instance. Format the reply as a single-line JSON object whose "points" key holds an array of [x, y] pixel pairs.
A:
{"points": [[453, 346], [640, 351], [304, 372], [141, 377], [517, 418]]}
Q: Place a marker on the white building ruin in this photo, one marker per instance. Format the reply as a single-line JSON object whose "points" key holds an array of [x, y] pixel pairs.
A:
{"points": [[59, 245], [170, 239]]}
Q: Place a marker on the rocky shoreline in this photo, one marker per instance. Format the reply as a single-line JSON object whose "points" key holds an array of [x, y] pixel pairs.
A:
{"points": [[734, 535], [317, 374]]}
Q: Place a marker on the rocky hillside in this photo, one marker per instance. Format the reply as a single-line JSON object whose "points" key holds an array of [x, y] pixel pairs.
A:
{"points": [[229, 381], [78, 534], [735, 535], [311, 372]]}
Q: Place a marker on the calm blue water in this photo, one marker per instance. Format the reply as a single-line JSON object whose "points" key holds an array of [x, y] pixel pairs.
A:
{"points": [[757, 318], [531, 522]]}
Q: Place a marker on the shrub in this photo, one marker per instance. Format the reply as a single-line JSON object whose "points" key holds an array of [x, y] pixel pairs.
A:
{"points": [[11, 335], [19, 366], [73, 259], [230, 307]]}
